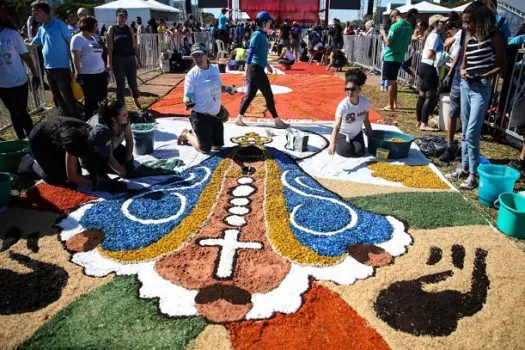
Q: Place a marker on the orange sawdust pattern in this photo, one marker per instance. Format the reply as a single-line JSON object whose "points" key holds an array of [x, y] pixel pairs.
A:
{"points": [[278, 222], [324, 321], [307, 69], [420, 176], [313, 97], [189, 226], [45, 197]]}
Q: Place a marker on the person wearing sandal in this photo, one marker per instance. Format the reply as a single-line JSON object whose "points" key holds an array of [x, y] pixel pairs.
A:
{"points": [[427, 72], [484, 59], [352, 113], [255, 74], [202, 93]]}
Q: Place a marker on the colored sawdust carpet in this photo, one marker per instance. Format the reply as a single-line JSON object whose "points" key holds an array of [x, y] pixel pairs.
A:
{"points": [[310, 98], [410, 176], [246, 249]]}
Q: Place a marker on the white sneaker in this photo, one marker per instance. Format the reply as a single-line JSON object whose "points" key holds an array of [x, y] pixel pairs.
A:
{"points": [[26, 164]]}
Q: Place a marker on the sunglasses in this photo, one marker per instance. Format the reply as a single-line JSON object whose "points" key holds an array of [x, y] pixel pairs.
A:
{"points": [[351, 89], [123, 15]]}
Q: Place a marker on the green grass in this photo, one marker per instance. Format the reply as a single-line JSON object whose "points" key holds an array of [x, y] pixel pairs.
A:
{"points": [[113, 317], [423, 210]]}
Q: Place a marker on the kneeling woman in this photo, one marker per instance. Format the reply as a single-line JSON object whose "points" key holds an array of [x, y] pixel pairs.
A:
{"points": [[202, 92], [352, 112], [110, 127], [59, 147], [286, 58]]}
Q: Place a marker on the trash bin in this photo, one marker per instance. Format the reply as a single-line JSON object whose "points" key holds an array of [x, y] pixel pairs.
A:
{"points": [[444, 112]]}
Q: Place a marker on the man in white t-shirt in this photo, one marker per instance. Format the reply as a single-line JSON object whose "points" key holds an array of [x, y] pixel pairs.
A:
{"points": [[352, 113], [202, 93]]}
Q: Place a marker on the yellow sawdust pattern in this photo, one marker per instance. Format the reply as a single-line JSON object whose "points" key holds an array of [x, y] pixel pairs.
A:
{"points": [[188, 226], [410, 176], [278, 222]]}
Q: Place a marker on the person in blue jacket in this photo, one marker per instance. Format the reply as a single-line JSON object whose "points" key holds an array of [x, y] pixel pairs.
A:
{"points": [[255, 75]]}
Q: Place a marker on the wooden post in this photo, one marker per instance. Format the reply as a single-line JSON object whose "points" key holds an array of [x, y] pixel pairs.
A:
{"points": [[230, 7], [327, 7]]}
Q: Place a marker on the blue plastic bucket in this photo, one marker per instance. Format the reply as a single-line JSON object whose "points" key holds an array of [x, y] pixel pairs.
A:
{"points": [[143, 137], [495, 180], [511, 214], [6, 185]]}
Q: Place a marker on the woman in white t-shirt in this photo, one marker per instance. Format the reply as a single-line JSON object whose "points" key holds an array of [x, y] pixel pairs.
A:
{"points": [[427, 72], [286, 58], [90, 69], [202, 93], [14, 87], [352, 113]]}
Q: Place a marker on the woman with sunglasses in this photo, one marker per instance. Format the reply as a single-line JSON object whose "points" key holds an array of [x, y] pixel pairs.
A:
{"points": [[123, 56], [352, 112]]}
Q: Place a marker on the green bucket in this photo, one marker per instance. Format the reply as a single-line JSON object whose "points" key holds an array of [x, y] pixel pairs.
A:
{"points": [[511, 214], [11, 152], [6, 185]]}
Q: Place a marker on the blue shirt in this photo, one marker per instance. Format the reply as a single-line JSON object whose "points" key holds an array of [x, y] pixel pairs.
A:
{"points": [[504, 27], [223, 20], [259, 47], [54, 38], [517, 40]]}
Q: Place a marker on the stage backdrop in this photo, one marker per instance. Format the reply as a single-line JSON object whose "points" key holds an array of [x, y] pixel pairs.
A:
{"points": [[295, 10]]}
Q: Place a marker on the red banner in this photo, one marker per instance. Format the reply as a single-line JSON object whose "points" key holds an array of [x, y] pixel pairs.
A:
{"points": [[295, 10]]}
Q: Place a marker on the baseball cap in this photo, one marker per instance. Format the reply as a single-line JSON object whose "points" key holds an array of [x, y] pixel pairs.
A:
{"points": [[436, 18], [37, 2], [199, 48], [82, 10], [122, 11], [264, 16]]}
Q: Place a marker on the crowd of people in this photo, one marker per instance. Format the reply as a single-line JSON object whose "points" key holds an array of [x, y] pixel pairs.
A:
{"points": [[474, 45]]}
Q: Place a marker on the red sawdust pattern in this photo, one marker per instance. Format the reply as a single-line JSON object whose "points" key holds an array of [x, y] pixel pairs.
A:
{"points": [[85, 241], [325, 321], [305, 68], [313, 97], [45, 197]]}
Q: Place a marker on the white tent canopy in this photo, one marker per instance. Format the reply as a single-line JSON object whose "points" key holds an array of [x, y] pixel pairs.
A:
{"points": [[106, 14], [461, 8], [423, 8]]}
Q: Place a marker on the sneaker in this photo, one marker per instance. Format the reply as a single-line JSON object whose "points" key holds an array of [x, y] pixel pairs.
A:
{"points": [[470, 183], [449, 155], [458, 174]]}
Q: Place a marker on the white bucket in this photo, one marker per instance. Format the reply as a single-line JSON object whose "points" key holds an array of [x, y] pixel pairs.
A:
{"points": [[444, 112]]}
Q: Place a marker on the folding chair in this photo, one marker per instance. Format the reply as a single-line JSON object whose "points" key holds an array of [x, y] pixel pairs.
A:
{"points": [[222, 53]]}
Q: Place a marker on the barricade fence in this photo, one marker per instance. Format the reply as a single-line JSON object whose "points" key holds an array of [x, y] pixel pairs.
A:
{"points": [[367, 51]]}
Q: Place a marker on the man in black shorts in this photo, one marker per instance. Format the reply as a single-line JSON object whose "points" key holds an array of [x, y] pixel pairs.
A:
{"points": [[397, 41]]}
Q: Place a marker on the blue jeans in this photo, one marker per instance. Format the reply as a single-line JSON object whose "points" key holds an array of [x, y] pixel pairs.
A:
{"points": [[474, 103]]}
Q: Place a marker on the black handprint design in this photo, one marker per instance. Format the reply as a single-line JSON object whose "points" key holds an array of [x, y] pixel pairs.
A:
{"points": [[405, 306]]}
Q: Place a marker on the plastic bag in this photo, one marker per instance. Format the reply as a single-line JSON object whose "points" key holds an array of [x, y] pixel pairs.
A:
{"points": [[432, 146], [78, 93]]}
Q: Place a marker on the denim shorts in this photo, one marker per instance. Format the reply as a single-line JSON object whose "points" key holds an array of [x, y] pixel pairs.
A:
{"points": [[455, 101]]}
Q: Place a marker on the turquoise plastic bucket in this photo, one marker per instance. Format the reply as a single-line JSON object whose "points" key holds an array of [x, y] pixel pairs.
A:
{"points": [[6, 185], [143, 137], [511, 214], [11, 152], [495, 180]]}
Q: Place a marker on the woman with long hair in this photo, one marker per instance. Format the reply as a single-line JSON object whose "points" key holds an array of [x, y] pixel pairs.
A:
{"points": [[428, 77], [484, 59], [90, 70], [14, 84], [255, 74]]}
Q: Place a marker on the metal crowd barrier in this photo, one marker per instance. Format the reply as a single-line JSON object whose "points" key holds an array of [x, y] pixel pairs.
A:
{"points": [[36, 98]]}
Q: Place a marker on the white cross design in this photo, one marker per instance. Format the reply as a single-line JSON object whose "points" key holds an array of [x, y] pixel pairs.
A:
{"points": [[230, 244]]}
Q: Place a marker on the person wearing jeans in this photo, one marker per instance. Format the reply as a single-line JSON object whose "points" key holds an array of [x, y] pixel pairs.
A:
{"points": [[14, 82], [54, 36], [484, 58], [90, 70], [123, 56]]}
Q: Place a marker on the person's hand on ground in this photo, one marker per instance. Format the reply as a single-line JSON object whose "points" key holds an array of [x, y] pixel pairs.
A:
{"points": [[331, 149]]}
